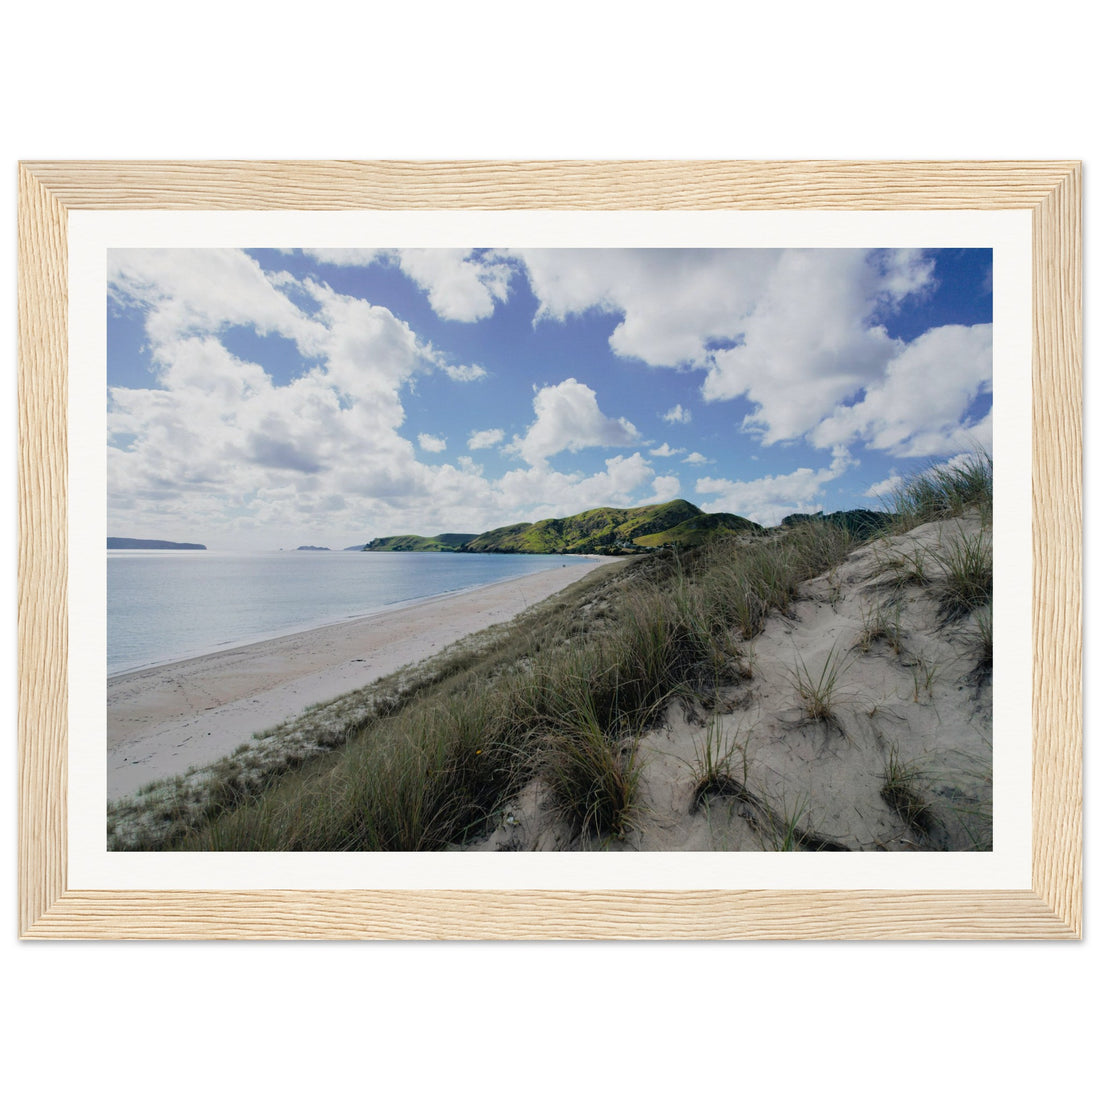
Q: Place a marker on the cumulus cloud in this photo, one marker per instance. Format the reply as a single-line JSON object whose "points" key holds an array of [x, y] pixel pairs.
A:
{"points": [[918, 406], [462, 285], [677, 415], [187, 291], [480, 441], [768, 499], [881, 490], [568, 418], [665, 451], [664, 488], [464, 373], [796, 332], [536, 492], [696, 459], [432, 443]]}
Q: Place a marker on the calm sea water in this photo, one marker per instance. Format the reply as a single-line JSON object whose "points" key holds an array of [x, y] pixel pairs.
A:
{"points": [[163, 605]]}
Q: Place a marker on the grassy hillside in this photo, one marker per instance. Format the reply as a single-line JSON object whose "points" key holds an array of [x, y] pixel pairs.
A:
{"points": [[598, 531], [697, 530], [437, 543], [861, 522]]}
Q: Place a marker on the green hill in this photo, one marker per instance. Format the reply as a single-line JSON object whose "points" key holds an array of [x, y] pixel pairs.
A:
{"points": [[861, 522], [597, 531], [437, 543], [698, 529]]}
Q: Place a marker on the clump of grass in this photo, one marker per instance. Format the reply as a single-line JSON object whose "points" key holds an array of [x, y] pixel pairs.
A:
{"points": [[983, 637], [593, 773], [967, 575], [903, 568], [818, 692], [924, 675], [714, 765], [901, 792], [945, 491], [880, 624]]}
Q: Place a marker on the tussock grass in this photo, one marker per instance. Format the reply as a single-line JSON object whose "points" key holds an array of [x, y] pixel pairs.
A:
{"points": [[966, 565], [880, 624], [717, 757], [818, 692], [901, 791], [945, 491]]}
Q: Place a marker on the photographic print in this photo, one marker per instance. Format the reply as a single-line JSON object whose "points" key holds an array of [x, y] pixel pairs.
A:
{"points": [[549, 550], [503, 550]]}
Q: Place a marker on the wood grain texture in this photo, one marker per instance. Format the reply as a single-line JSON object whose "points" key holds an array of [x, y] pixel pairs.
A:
{"points": [[1050, 910]]}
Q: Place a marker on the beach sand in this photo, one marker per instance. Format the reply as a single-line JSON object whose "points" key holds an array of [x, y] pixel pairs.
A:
{"points": [[164, 720]]}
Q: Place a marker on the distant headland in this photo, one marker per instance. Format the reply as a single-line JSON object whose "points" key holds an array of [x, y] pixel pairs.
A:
{"points": [[150, 544]]}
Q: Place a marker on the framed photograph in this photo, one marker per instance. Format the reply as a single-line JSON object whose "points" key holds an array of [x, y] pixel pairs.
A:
{"points": [[550, 550]]}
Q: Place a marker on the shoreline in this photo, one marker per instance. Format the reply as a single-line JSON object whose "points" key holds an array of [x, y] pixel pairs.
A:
{"points": [[165, 719], [256, 639]]}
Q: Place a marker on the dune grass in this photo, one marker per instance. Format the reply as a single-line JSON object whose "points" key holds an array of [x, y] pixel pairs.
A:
{"points": [[945, 491], [819, 691]]}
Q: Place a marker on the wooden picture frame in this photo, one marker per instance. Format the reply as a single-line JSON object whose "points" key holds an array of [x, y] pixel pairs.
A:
{"points": [[1050, 909]]}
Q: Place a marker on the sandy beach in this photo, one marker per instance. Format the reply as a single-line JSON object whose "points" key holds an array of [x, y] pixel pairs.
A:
{"points": [[164, 720]]}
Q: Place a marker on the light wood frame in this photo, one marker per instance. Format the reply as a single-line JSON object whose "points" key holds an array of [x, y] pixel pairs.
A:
{"points": [[1051, 909]]}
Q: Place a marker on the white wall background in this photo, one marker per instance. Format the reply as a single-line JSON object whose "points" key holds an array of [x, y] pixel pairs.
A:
{"points": [[569, 80]]}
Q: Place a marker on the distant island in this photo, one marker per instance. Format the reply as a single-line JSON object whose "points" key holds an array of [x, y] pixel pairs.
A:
{"points": [[150, 544], [312, 548], [597, 531]]}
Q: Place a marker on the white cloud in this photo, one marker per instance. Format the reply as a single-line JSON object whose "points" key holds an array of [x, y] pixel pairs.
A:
{"points": [[696, 459], [767, 500], [665, 451], [460, 287], [677, 415], [882, 490], [536, 492], [918, 406], [664, 488], [567, 418], [480, 441], [432, 443], [188, 291], [464, 373], [796, 332]]}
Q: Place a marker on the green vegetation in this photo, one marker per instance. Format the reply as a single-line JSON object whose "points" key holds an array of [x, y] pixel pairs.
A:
{"points": [[435, 543], [901, 791], [598, 531], [818, 691], [862, 523], [967, 574], [944, 492], [677, 524]]}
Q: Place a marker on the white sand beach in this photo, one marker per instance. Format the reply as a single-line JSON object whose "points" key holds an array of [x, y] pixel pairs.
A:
{"points": [[164, 720]]}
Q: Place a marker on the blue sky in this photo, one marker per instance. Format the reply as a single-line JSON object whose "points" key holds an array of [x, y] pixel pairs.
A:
{"points": [[266, 398]]}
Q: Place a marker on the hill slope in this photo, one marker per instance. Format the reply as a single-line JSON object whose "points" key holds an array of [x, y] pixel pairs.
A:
{"points": [[436, 543], [597, 531]]}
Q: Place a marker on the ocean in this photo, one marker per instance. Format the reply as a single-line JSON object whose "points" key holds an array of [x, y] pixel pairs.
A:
{"points": [[165, 605]]}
